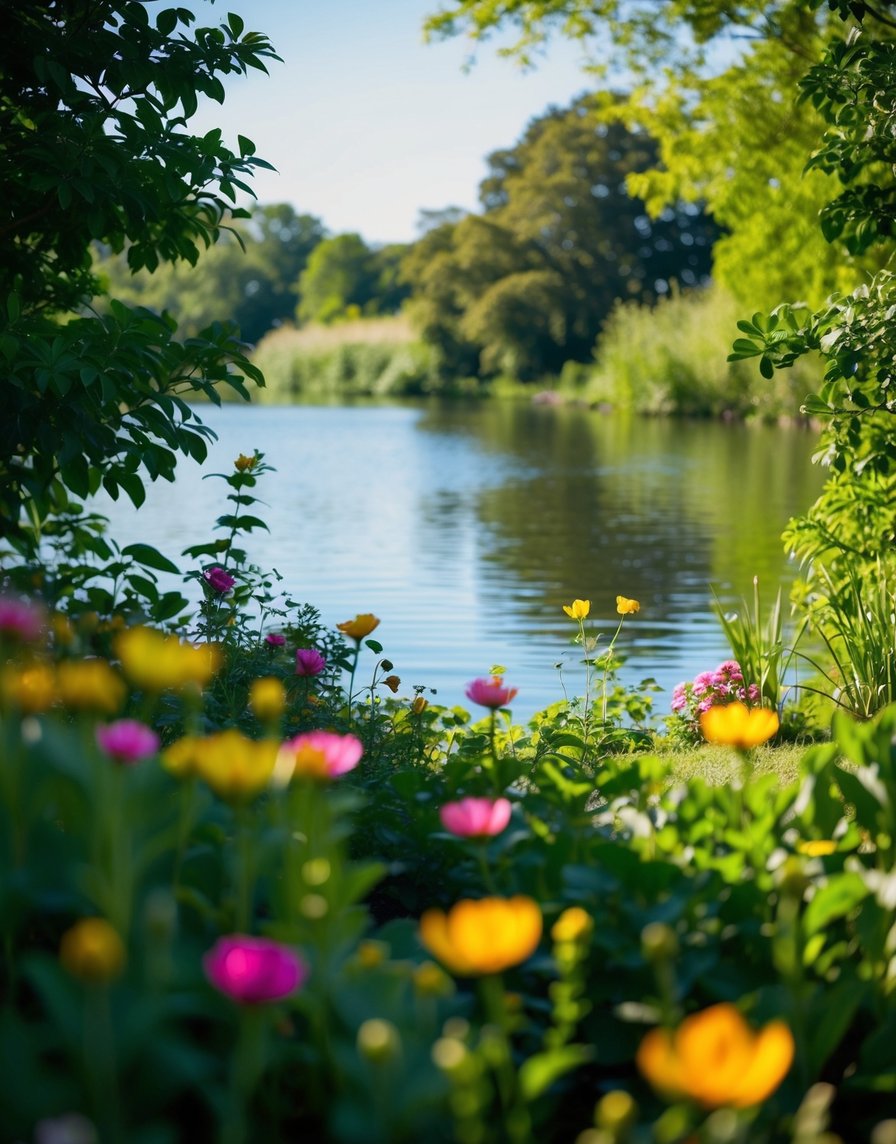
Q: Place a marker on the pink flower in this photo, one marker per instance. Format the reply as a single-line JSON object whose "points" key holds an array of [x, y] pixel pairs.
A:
{"points": [[218, 580], [476, 817], [490, 692], [253, 970], [275, 639], [309, 661], [324, 754], [679, 697], [753, 693], [702, 682], [705, 704], [127, 741], [20, 619]]}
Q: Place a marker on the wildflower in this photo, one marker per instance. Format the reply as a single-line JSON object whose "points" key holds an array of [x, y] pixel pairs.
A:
{"points": [[578, 609], [90, 685], [716, 1059], [29, 689], [476, 817], [490, 692], [235, 767], [218, 580], [127, 741], [254, 970], [275, 639], [626, 607], [92, 951], [572, 925], [736, 725], [485, 936], [817, 847], [181, 758], [419, 705], [392, 682], [323, 754], [155, 661], [362, 625], [244, 464], [267, 698], [20, 619], [309, 661]]}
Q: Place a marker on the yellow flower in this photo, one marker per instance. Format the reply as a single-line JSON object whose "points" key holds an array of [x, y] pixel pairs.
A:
{"points": [[572, 925], [90, 685], [578, 609], [244, 463], [362, 625], [817, 847], [484, 936], [28, 689], [419, 705], [235, 767], [155, 661], [92, 951], [181, 759], [627, 607], [716, 1059], [267, 698], [736, 725]]}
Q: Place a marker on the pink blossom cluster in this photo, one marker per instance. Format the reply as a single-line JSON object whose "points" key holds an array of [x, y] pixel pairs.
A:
{"points": [[712, 689]]}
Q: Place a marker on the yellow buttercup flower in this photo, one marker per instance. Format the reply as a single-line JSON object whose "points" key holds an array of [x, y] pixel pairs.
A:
{"points": [[627, 607], [28, 689], [736, 725], [92, 951], [245, 464], [267, 698], [155, 661], [817, 847], [362, 625], [578, 609], [573, 924], [716, 1059], [90, 685], [235, 767], [485, 936], [181, 759]]}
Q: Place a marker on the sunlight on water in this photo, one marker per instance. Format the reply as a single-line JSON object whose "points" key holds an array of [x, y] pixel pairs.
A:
{"points": [[466, 527]]}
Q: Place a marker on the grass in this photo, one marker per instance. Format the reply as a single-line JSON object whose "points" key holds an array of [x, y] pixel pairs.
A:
{"points": [[720, 765]]}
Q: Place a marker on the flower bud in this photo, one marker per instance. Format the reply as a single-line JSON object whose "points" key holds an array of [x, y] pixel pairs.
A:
{"points": [[658, 942], [378, 1040], [92, 951]]}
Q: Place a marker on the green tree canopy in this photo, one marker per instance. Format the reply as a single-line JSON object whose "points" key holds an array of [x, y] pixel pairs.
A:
{"points": [[345, 278], [95, 96], [528, 284]]}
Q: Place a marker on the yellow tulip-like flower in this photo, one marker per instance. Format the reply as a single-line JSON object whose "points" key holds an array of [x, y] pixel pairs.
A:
{"points": [[92, 951], [627, 607], [362, 625], [485, 936], [235, 767], [715, 1059], [245, 464], [155, 661], [573, 924], [90, 685], [578, 609], [181, 759], [28, 689], [267, 698], [736, 725]]}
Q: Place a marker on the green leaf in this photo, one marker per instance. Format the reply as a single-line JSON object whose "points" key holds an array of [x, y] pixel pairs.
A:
{"points": [[150, 557], [766, 368], [839, 897], [538, 1073]]}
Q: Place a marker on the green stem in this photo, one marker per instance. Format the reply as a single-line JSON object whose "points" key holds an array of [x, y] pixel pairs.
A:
{"points": [[99, 1061], [517, 1122], [244, 871], [248, 1066]]}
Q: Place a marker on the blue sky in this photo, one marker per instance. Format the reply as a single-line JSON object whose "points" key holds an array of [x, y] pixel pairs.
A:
{"points": [[365, 123]]}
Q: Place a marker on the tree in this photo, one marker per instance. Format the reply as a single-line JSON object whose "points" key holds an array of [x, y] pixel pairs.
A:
{"points": [[94, 99], [346, 277], [529, 283], [249, 277]]}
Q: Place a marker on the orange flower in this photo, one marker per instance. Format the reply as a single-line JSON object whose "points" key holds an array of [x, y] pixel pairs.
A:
{"points": [[484, 936], [626, 607], [362, 625], [736, 725], [716, 1059]]}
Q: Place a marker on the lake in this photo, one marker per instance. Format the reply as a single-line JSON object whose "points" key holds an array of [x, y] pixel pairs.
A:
{"points": [[466, 526]]}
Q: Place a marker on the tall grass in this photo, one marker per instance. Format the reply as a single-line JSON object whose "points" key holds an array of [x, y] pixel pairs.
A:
{"points": [[670, 358], [369, 357]]}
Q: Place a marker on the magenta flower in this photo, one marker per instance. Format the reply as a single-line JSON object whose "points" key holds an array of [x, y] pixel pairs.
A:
{"points": [[218, 580], [476, 817], [324, 754], [309, 661], [490, 692], [702, 682], [253, 970], [275, 639], [127, 741], [21, 619]]}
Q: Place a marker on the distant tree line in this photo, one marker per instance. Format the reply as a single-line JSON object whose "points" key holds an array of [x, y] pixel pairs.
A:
{"points": [[518, 289]]}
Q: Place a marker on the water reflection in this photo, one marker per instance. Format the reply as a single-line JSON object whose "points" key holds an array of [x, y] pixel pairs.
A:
{"points": [[467, 526]]}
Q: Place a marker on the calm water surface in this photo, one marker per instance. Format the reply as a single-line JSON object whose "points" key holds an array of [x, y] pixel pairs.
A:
{"points": [[466, 527]]}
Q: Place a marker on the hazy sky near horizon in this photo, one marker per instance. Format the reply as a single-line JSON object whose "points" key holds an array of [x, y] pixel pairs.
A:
{"points": [[365, 123]]}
